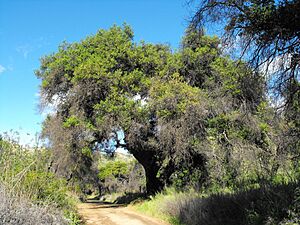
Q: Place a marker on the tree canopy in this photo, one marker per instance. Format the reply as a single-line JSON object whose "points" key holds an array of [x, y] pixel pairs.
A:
{"points": [[187, 116]]}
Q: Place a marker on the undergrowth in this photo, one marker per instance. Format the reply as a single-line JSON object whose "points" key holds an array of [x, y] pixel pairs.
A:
{"points": [[267, 205], [18, 211], [26, 183]]}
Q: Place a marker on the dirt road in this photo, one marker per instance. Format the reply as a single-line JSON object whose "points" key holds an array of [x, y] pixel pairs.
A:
{"points": [[110, 214]]}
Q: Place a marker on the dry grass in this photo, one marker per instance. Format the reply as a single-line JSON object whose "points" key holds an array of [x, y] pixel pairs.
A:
{"points": [[15, 211], [268, 205], [29, 194]]}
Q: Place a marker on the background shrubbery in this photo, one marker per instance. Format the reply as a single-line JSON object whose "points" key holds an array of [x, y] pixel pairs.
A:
{"points": [[27, 183], [121, 174]]}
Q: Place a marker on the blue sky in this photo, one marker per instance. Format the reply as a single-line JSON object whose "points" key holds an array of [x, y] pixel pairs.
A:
{"points": [[30, 29]]}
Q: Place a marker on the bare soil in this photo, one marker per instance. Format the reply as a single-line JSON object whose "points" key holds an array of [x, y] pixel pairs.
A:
{"points": [[112, 214]]}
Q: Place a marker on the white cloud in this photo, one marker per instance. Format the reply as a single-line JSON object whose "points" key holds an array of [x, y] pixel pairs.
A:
{"points": [[2, 69], [10, 68], [24, 50], [32, 45], [41, 42]]}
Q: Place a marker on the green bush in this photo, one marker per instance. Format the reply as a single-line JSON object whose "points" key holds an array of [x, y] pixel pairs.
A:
{"points": [[45, 188], [113, 169], [122, 174], [25, 173]]}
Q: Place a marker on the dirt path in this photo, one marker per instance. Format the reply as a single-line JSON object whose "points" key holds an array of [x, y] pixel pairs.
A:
{"points": [[110, 214]]}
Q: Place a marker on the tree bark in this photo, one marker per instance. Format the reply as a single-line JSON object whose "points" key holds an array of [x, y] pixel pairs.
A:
{"points": [[153, 184], [151, 166]]}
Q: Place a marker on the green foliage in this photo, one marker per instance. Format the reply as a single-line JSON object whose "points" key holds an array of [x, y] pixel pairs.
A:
{"points": [[73, 218], [72, 121], [24, 173], [172, 99], [185, 178], [193, 117], [113, 169], [121, 175], [87, 152], [45, 188]]}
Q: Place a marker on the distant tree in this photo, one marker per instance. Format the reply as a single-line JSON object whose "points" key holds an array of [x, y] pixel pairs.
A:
{"points": [[121, 175]]}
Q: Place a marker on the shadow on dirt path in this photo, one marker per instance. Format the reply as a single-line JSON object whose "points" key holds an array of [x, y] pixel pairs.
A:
{"points": [[100, 213]]}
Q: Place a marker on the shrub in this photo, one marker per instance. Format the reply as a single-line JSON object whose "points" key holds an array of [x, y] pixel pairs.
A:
{"points": [[24, 172], [162, 204], [14, 211], [34, 192]]}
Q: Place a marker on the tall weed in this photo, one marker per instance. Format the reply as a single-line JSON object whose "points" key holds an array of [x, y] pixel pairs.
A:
{"points": [[267, 205], [25, 175], [17, 211]]}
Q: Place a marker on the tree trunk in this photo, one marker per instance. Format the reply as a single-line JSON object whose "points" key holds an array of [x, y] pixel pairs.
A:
{"points": [[151, 166], [153, 184]]}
